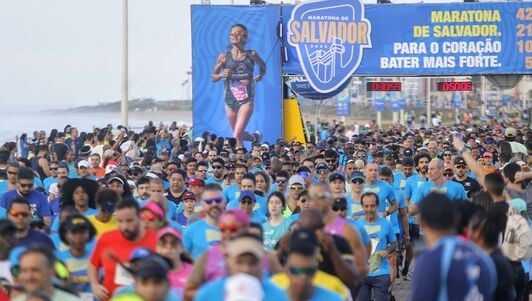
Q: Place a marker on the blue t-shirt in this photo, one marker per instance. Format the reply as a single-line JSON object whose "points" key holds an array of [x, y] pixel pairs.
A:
{"points": [[272, 234], [364, 237], [470, 274], [213, 180], [78, 268], [354, 208], [394, 217], [3, 186], [231, 193], [182, 219], [35, 237], [381, 236], [454, 191], [233, 196], [199, 236], [413, 183], [38, 202], [384, 191], [215, 290], [48, 182], [257, 217], [399, 179], [54, 228]]}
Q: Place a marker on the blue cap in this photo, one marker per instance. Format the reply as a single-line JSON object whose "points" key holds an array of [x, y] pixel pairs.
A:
{"points": [[357, 175], [139, 253], [247, 194]]}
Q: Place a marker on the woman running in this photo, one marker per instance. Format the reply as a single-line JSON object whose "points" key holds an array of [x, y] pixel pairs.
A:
{"points": [[236, 67]]}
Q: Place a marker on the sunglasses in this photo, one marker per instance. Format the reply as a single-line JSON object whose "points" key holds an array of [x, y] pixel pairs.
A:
{"points": [[53, 168], [214, 200], [147, 217], [20, 214], [447, 155], [322, 171], [339, 208], [357, 181], [229, 228], [460, 166], [296, 188], [246, 202], [309, 271], [14, 173], [217, 167]]}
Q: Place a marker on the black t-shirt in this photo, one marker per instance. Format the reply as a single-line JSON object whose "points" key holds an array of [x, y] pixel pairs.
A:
{"points": [[60, 150], [326, 264], [471, 186], [177, 199], [505, 287]]}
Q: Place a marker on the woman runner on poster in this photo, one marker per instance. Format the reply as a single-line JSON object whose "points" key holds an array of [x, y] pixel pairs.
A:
{"points": [[236, 67]]}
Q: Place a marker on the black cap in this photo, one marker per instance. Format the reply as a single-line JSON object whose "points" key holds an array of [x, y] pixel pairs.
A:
{"points": [[459, 161], [303, 241], [322, 166], [154, 266], [336, 176], [76, 222], [408, 161], [407, 152]]}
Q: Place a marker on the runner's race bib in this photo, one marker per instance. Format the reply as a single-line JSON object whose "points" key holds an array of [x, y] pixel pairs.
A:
{"points": [[123, 277], [239, 91]]}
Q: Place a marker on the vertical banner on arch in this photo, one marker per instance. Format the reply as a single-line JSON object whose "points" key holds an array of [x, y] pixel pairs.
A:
{"points": [[219, 104]]}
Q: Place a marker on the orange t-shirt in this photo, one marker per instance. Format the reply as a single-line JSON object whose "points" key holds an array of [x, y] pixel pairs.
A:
{"points": [[99, 172], [113, 244]]}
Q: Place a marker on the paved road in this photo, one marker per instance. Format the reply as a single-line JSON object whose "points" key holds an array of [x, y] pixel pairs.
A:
{"points": [[401, 289]]}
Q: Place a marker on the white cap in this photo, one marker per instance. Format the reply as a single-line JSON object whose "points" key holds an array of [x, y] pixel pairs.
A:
{"points": [[110, 168], [83, 163], [243, 287]]}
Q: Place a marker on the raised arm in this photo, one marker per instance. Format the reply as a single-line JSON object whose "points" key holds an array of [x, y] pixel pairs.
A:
{"points": [[217, 73], [262, 65], [459, 145]]}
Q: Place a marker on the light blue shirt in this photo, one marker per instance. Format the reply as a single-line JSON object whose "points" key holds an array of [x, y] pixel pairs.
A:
{"points": [[199, 236], [384, 191], [453, 190], [215, 291], [381, 236], [272, 234]]}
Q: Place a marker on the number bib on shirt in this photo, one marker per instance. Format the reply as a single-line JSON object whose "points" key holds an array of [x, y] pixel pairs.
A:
{"points": [[123, 277]]}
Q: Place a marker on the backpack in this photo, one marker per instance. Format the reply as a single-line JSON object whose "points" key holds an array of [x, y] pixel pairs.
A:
{"points": [[517, 241]]}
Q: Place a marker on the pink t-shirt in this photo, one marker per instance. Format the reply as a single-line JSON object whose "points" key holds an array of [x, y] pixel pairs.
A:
{"points": [[178, 278]]}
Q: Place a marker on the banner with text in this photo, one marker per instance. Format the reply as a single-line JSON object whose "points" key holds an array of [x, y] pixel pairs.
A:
{"points": [[411, 39]]}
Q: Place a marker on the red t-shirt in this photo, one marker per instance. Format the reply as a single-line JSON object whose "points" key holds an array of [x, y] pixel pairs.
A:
{"points": [[113, 243]]}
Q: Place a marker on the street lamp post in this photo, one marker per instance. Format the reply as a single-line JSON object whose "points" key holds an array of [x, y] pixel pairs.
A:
{"points": [[125, 61]]}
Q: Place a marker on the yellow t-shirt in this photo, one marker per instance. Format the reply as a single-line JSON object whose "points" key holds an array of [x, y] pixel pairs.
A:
{"points": [[101, 228], [321, 279]]}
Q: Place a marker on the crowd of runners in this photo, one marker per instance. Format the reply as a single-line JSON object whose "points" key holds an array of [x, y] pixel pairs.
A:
{"points": [[155, 215]]}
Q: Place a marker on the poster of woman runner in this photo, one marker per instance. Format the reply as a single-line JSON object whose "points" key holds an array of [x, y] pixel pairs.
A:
{"points": [[236, 72]]}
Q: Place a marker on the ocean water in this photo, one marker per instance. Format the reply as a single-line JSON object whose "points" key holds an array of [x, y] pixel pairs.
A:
{"points": [[13, 124]]}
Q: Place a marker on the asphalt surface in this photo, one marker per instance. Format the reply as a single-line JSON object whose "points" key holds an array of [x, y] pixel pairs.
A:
{"points": [[401, 289]]}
